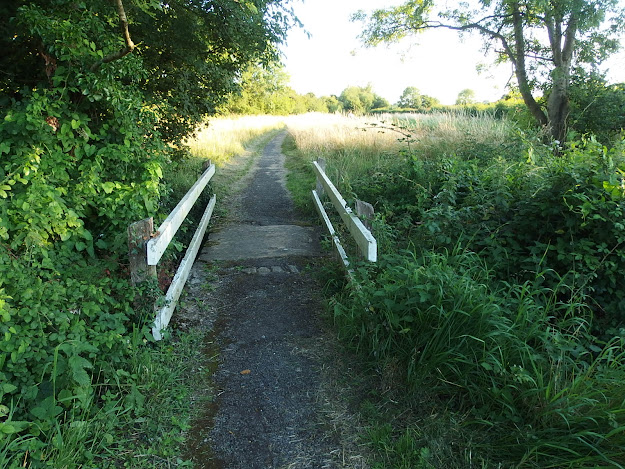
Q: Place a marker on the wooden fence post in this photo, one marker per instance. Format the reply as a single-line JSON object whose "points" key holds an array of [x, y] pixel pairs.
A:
{"points": [[366, 211], [139, 233], [322, 164]]}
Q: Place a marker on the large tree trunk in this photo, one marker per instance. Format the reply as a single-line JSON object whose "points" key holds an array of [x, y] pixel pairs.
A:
{"points": [[518, 59], [558, 106], [562, 43]]}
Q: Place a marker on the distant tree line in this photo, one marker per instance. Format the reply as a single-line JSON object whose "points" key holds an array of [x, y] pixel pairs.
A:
{"points": [[596, 107]]}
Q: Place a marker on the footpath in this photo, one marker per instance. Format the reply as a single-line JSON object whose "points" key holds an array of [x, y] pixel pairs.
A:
{"points": [[266, 405]]}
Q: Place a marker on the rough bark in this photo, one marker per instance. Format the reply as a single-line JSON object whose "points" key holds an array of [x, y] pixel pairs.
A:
{"points": [[520, 70], [558, 102]]}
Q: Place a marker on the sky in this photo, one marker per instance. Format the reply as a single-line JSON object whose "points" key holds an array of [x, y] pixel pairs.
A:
{"points": [[437, 62]]}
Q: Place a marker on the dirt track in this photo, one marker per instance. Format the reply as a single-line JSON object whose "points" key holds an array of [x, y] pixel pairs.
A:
{"points": [[254, 290]]}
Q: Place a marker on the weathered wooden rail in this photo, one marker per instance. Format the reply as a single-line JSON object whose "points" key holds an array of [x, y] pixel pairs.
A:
{"points": [[366, 242], [146, 248]]}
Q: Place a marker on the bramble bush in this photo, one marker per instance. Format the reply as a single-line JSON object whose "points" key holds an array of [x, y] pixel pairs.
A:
{"points": [[561, 214], [76, 169]]}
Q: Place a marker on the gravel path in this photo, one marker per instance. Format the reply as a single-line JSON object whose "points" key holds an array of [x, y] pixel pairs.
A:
{"points": [[252, 288]]}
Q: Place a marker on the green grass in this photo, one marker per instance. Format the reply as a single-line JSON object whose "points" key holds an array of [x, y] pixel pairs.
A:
{"points": [[155, 429], [140, 419], [473, 305], [300, 179], [226, 137]]}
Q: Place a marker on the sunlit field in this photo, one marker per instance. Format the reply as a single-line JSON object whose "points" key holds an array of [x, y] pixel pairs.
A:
{"points": [[354, 146], [224, 137], [323, 134]]}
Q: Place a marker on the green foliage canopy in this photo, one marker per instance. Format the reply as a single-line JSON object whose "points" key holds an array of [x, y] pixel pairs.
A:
{"points": [[410, 98], [264, 90], [360, 100], [465, 97], [83, 136], [598, 108]]}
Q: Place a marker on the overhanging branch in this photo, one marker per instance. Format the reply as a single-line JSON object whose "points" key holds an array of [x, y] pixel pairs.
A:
{"points": [[478, 27], [130, 46]]}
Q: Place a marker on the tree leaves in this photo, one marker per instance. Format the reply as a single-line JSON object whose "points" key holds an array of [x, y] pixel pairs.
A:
{"points": [[545, 41]]}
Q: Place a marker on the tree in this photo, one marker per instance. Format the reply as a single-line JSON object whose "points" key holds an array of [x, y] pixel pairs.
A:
{"points": [[598, 108], [410, 98], [356, 99], [96, 96], [465, 97], [429, 102], [332, 103], [315, 104], [379, 102], [545, 40], [264, 90], [361, 100]]}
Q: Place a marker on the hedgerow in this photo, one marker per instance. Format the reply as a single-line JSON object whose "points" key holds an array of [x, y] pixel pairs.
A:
{"points": [[88, 121]]}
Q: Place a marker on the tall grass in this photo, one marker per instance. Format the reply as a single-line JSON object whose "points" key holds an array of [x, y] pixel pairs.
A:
{"points": [[220, 140], [549, 394], [513, 354], [224, 137], [357, 146]]}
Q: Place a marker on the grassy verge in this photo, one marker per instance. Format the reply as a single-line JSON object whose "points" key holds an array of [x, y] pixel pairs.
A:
{"points": [[493, 304], [150, 433], [138, 420], [300, 179]]}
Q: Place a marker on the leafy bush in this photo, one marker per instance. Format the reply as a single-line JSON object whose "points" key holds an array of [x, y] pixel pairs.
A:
{"points": [[598, 109], [559, 214], [552, 394], [66, 325], [86, 126]]}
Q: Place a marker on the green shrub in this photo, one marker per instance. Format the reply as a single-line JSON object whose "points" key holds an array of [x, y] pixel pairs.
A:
{"points": [[518, 359], [564, 214], [561, 214]]}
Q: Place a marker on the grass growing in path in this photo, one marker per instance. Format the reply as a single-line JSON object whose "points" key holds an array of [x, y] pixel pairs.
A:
{"points": [[225, 137], [222, 140]]}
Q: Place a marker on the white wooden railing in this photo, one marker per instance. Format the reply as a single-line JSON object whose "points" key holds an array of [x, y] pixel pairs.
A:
{"points": [[367, 245], [146, 248]]}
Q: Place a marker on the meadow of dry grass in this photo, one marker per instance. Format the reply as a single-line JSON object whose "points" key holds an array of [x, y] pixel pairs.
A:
{"points": [[224, 137], [353, 146]]}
